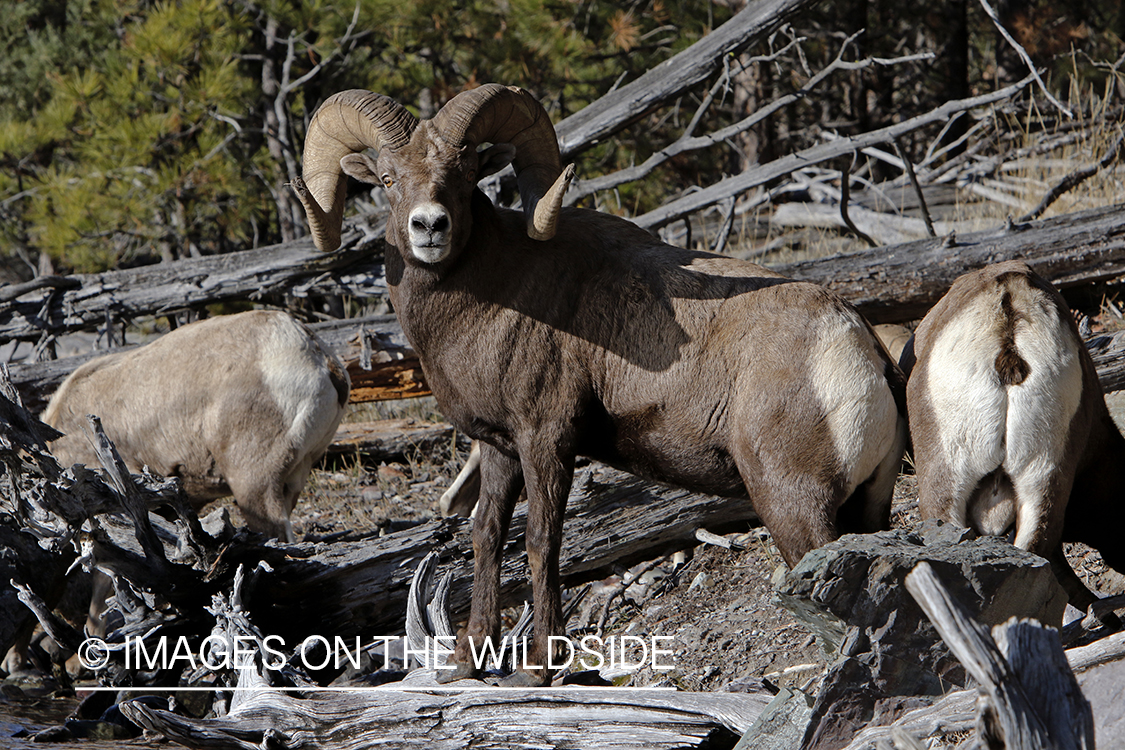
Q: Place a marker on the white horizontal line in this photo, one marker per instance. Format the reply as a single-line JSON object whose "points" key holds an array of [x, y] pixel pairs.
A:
{"points": [[373, 689]]}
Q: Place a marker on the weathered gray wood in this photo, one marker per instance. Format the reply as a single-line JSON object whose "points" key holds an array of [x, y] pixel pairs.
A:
{"points": [[613, 519], [1109, 358], [674, 76], [393, 439], [1103, 651], [294, 268], [496, 718], [889, 284], [1028, 696], [901, 282]]}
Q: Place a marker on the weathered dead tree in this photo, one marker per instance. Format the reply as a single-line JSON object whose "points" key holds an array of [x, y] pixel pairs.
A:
{"points": [[464, 714], [833, 149], [899, 283]]}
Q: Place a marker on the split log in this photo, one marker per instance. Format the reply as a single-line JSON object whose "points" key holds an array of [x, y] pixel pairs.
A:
{"points": [[495, 718], [1029, 699], [394, 439]]}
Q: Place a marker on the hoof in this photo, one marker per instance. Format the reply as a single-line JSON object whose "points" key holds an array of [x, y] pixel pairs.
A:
{"points": [[460, 672], [521, 679]]}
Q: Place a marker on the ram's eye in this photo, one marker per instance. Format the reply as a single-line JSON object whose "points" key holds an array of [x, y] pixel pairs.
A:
{"points": [[471, 175], [388, 181]]}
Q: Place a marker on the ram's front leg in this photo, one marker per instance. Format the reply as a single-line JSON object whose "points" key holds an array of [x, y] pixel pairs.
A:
{"points": [[548, 472], [501, 483]]}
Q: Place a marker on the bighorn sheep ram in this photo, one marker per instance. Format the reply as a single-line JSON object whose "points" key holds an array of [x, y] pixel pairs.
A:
{"points": [[239, 405], [1010, 427], [580, 333]]}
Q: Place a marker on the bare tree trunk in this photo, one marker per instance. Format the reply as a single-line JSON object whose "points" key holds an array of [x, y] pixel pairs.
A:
{"points": [[277, 130]]}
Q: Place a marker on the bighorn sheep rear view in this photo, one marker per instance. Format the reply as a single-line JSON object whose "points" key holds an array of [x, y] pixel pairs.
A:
{"points": [[239, 405], [1010, 426], [579, 333]]}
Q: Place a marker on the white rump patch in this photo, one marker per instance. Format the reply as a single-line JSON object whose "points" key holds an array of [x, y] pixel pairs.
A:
{"points": [[984, 425], [850, 383]]}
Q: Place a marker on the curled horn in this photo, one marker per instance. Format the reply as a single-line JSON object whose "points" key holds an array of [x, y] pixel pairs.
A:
{"points": [[505, 114], [347, 122]]}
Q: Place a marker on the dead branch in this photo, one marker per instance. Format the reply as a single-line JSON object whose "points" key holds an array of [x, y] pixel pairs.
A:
{"points": [[1076, 178], [760, 175], [688, 141], [671, 78]]}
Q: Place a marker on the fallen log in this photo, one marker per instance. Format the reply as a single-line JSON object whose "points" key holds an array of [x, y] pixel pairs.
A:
{"points": [[394, 439], [889, 284], [899, 283], [479, 718], [613, 521], [467, 713]]}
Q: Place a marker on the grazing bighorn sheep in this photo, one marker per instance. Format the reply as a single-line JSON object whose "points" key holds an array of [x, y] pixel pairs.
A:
{"points": [[1010, 427], [597, 339], [239, 405]]}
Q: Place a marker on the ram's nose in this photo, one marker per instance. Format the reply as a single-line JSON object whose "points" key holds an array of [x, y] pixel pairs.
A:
{"points": [[429, 226]]}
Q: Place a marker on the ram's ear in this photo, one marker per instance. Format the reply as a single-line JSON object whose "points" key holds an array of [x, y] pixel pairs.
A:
{"points": [[361, 167], [494, 158]]}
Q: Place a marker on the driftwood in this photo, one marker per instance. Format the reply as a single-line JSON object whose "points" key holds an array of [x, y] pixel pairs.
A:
{"points": [[1028, 695]]}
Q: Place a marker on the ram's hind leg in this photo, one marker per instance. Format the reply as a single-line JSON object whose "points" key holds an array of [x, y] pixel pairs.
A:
{"points": [[796, 505]]}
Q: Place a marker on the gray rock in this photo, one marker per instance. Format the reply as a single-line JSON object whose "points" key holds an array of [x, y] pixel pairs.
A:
{"points": [[781, 724], [1104, 687], [850, 593]]}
